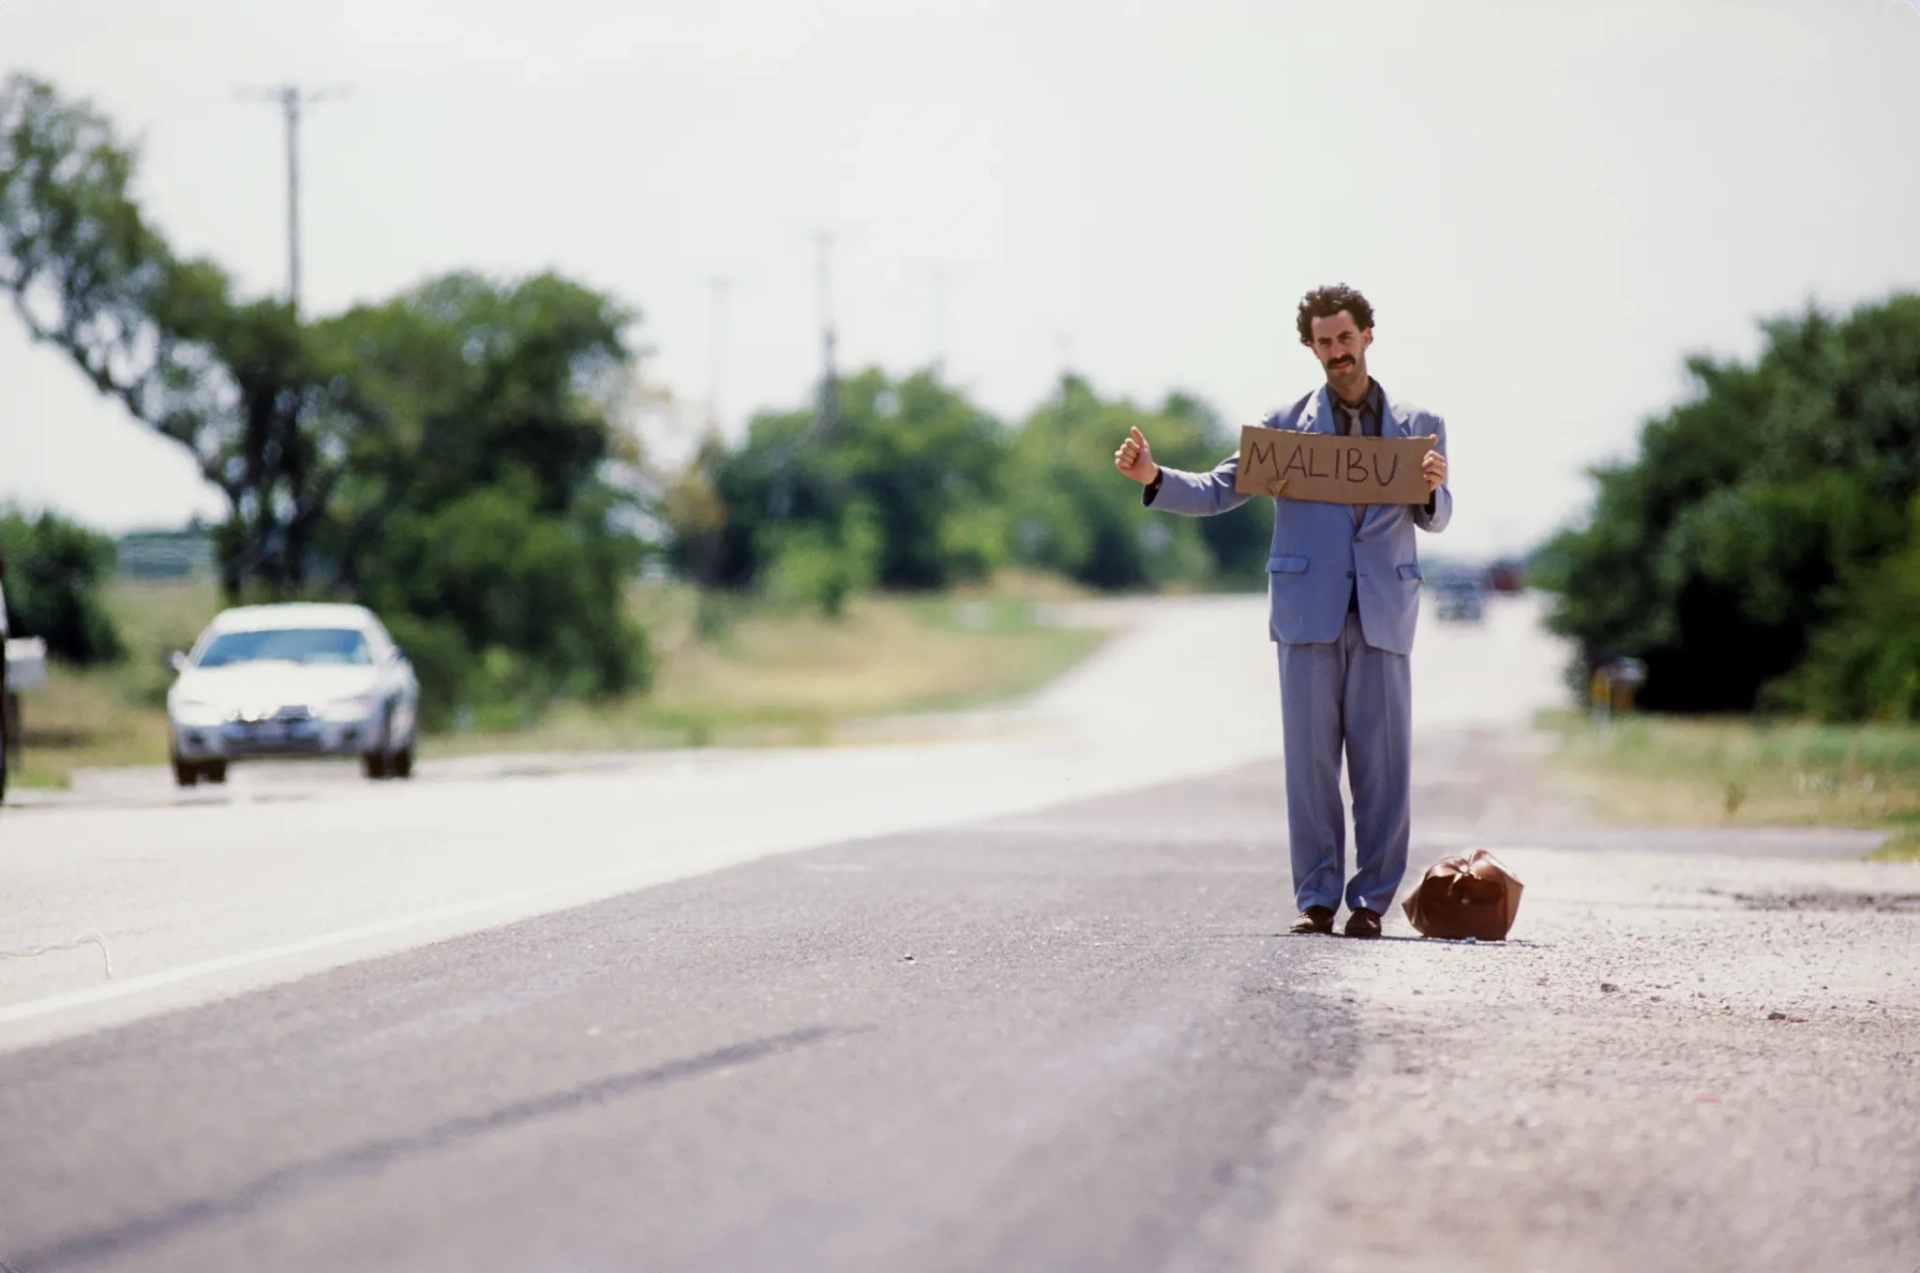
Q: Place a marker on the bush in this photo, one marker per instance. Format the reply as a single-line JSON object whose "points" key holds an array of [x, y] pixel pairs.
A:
{"points": [[809, 566], [479, 513], [502, 607], [1866, 664], [951, 495], [441, 661], [1738, 542], [912, 461], [55, 570], [1073, 515]]}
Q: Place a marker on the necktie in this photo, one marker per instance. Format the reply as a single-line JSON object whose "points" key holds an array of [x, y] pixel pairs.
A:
{"points": [[1355, 429]]}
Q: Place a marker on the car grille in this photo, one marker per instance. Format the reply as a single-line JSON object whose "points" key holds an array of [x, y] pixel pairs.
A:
{"points": [[290, 728]]}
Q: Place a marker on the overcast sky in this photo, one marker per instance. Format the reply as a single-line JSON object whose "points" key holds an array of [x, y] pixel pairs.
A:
{"points": [[1550, 202]]}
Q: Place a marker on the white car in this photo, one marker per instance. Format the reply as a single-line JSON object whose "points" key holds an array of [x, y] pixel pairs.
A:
{"points": [[292, 680]]}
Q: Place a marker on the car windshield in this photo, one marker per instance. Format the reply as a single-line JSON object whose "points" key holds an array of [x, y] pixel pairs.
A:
{"points": [[311, 646]]}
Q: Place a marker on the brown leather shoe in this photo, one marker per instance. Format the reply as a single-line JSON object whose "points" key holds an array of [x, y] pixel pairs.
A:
{"points": [[1314, 919], [1363, 923]]}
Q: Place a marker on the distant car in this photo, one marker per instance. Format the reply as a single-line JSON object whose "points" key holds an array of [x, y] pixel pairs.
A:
{"points": [[1507, 575], [292, 680], [1460, 600]]}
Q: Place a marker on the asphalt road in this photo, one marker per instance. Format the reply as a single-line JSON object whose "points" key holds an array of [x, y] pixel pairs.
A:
{"points": [[292, 869], [1008, 1032]]}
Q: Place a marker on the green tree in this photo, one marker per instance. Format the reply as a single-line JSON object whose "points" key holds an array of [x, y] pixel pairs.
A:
{"points": [[476, 498], [1751, 511], [1070, 513], [54, 572], [237, 384], [915, 487], [902, 493], [1865, 664], [448, 457], [1241, 541]]}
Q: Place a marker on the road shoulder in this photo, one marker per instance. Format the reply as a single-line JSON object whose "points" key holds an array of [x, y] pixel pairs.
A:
{"points": [[1686, 1061]]}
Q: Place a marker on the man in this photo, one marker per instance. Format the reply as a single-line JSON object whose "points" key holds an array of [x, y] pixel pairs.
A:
{"points": [[1344, 582]]}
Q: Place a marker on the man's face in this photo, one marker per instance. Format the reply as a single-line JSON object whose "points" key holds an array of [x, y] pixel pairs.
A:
{"points": [[1341, 347]]}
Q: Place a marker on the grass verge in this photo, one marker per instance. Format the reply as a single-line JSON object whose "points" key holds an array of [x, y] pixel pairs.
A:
{"points": [[1748, 772], [738, 673], [114, 715], [731, 673]]}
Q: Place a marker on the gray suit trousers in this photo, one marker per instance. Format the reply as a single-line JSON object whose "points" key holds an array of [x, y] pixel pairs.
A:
{"points": [[1347, 695]]}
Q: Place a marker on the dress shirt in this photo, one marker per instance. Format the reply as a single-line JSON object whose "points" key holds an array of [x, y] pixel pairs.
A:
{"points": [[1359, 420]]}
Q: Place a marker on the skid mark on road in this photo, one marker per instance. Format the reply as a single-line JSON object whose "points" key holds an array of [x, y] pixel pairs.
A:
{"points": [[374, 1155]]}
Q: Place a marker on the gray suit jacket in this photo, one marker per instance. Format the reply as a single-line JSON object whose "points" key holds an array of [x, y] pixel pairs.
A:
{"points": [[1318, 553]]}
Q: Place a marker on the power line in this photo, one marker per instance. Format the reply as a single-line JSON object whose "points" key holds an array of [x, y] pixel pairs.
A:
{"points": [[291, 98]]}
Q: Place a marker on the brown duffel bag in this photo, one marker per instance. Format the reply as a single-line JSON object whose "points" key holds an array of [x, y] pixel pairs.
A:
{"points": [[1465, 895]]}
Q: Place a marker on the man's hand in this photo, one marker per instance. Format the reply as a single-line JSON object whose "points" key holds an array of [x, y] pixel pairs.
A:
{"points": [[1434, 468], [1135, 458]]}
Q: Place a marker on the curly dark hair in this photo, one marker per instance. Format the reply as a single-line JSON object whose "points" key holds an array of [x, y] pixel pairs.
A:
{"points": [[1325, 302]]}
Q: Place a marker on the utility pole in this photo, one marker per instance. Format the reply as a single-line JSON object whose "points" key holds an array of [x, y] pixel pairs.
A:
{"points": [[939, 280], [720, 285], [1063, 349], [828, 407], [780, 491], [291, 97], [1063, 345]]}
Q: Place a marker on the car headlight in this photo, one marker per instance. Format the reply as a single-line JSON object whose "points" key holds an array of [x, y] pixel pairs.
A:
{"points": [[195, 711], [359, 707]]}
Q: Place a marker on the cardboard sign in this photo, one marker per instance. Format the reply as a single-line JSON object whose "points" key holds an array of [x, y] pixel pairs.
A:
{"points": [[1331, 469]]}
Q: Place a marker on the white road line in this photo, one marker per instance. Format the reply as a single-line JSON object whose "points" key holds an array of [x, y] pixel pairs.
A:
{"points": [[638, 876]]}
